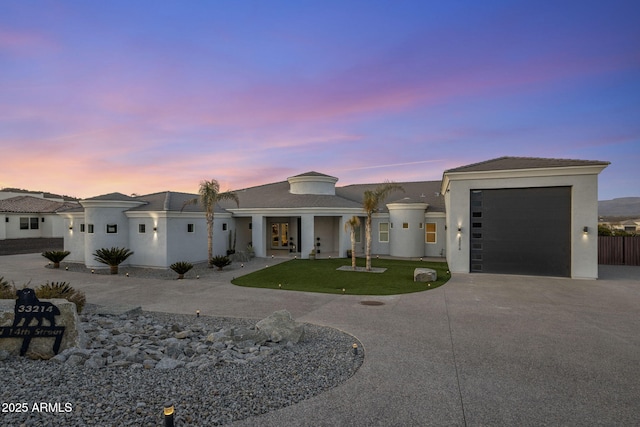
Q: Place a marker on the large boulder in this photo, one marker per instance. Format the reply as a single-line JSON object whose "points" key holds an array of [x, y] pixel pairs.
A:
{"points": [[280, 326], [424, 275], [40, 347]]}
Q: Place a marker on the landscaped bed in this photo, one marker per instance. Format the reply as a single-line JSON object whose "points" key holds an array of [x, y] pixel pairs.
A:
{"points": [[323, 276]]}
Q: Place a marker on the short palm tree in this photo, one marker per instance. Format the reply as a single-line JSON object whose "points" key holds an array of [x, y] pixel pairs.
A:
{"points": [[210, 195], [113, 257], [352, 225], [55, 257], [220, 261], [370, 204], [181, 267]]}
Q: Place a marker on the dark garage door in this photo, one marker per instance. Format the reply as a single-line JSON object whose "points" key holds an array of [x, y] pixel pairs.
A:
{"points": [[521, 231]]}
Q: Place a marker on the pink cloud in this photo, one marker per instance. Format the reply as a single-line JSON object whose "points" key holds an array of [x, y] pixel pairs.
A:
{"points": [[24, 42]]}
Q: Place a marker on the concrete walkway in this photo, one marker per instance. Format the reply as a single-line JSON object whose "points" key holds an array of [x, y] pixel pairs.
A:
{"points": [[483, 350]]}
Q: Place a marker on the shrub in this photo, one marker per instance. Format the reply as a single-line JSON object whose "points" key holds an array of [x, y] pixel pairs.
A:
{"points": [[7, 290], [220, 261], [113, 257], [181, 267], [55, 257], [62, 290]]}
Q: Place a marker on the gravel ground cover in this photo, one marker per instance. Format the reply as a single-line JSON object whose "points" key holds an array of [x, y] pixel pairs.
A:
{"points": [[200, 270], [50, 393]]}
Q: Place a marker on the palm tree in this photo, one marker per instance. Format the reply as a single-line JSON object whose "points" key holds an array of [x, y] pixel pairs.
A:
{"points": [[113, 257], [352, 225], [55, 257], [210, 195], [370, 204]]}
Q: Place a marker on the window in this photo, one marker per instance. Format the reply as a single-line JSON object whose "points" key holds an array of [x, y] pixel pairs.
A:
{"points": [[142, 228], [82, 228], [89, 228], [190, 228], [405, 225], [112, 228], [34, 223], [383, 232], [24, 223], [430, 232]]}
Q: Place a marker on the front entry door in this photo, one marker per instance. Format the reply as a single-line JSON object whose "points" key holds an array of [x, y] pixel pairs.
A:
{"points": [[280, 235]]}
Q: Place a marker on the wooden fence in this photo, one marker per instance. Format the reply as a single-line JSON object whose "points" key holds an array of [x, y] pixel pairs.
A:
{"points": [[619, 250]]}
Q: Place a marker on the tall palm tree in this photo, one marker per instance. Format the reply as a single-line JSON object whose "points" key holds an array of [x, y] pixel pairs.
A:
{"points": [[352, 225], [210, 195], [370, 204]]}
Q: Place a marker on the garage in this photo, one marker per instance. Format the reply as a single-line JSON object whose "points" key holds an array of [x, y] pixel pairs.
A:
{"points": [[521, 231]]}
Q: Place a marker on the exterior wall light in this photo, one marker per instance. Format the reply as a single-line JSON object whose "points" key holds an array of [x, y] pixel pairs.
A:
{"points": [[155, 229], [459, 229], [585, 230]]}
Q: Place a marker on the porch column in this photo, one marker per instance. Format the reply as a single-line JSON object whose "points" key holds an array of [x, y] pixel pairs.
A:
{"points": [[344, 241], [307, 235], [258, 227]]}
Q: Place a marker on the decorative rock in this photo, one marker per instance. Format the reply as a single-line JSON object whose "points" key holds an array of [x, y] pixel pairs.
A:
{"points": [[74, 335], [280, 326], [237, 376], [424, 275]]}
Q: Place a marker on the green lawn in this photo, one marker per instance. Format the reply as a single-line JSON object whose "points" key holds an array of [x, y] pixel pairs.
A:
{"points": [[322, 276]]}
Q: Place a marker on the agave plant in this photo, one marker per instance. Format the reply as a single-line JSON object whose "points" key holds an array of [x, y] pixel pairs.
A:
{"points": [[113, 257], [181, 267], [220, 261], [55, 257], [62, 290]]}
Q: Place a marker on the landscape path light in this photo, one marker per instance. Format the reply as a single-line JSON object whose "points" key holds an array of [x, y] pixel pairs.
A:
{"points": [[168, 415]]}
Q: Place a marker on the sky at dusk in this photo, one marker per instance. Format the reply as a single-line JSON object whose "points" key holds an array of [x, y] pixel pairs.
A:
{"points": [[146, 96]]}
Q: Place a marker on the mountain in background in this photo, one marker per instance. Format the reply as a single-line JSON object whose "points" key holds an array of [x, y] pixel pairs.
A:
{"points": [[623, 206]]}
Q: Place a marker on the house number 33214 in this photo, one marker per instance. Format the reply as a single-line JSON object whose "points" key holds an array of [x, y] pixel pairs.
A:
{"points": [[35, 309]]}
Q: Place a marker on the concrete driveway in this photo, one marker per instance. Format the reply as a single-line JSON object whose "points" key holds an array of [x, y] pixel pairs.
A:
{"points": [[483, 350]]}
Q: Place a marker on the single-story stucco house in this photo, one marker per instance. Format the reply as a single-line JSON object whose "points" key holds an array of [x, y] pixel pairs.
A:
{"points": [[512, 215]]}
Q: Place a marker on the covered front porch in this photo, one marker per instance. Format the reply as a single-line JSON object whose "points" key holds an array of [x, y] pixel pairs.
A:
{"points": [[300, 235]]}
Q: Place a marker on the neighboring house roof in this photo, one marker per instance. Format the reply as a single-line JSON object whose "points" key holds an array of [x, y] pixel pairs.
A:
{"points": [[30, 204], [511, 163], [40, 194], [619, 220]]}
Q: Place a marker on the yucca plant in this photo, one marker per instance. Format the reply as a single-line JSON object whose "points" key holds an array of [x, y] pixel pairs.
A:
{"points": [[62, 290], [220, 261], [113, 257], [55, 257], [181, 267]]}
